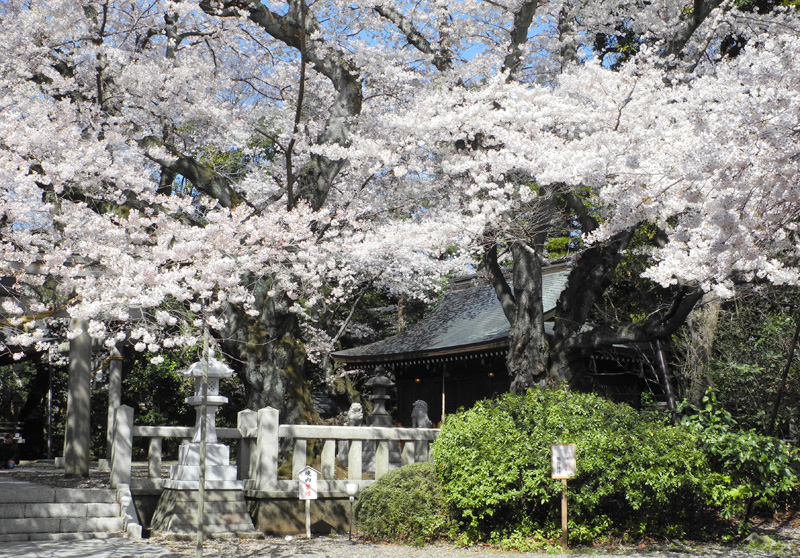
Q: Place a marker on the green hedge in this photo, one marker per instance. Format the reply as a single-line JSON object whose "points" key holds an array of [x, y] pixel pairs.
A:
{"points": [[406, 505], [636, 474], [752, 470]]}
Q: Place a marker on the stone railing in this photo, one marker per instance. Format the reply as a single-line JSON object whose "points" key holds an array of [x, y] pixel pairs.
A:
{"points": [[260, 435]]}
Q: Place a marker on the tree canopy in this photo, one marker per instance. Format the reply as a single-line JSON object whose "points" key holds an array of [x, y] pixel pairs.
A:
{"points": [[255, 165]]}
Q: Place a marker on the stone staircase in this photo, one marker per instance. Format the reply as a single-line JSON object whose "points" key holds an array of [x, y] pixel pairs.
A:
{"points": [[33, 512]]}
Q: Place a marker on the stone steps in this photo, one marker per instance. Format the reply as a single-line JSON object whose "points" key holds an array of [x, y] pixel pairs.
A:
{"points": [[32, 512]]}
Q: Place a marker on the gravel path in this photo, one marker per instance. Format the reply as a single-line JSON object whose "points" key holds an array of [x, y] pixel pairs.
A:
{"points": [[785, 545]]}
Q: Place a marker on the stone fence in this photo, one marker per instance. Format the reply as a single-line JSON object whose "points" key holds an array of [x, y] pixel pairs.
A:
{"points": [[261, 438]]}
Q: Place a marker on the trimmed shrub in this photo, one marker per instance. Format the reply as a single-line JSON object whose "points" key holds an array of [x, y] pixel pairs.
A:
{"points": [[752, 469], [636, 474], [406, 505]]}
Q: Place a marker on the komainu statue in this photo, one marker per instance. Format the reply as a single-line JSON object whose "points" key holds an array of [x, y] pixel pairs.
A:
{"points": [[355, 417], [419, 415]]}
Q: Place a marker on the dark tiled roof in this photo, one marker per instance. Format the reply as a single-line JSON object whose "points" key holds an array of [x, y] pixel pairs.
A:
{"points": [[465, 320]]}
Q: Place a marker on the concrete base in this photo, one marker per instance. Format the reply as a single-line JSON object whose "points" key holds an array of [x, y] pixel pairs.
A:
{"points": [[225, 515], [281, 517]]}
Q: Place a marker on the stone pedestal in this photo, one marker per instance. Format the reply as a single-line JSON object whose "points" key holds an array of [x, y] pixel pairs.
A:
{"points": [[220, 474], [226, 514], [226, 511]]}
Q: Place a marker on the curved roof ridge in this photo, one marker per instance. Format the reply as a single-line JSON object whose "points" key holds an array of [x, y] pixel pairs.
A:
{"points": [[465, 320]]}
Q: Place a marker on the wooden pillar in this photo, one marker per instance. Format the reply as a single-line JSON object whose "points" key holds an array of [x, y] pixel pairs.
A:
{"points": [[77, 435], [444, 391]]}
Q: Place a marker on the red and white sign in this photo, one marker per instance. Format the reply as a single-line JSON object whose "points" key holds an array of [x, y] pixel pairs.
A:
{"points": [[308, 483]]}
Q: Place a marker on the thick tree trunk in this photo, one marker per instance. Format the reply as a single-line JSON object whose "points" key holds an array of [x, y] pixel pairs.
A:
{"points": [[698, 347], [527, 344], [590, 276], [272, 357], [526, 361], [564, 367]]}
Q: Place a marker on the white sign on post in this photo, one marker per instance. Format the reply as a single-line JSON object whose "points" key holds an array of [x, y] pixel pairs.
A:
{"points": [[564, 467], [563, 461], [308, 483]]}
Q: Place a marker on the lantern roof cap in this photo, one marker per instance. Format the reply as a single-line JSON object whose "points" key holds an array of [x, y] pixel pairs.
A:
{"points": [[216, 369]]}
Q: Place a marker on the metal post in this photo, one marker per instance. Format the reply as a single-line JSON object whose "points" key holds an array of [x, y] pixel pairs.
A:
{"points": [[201, 494], [352, 490], [350, 537], [50, 412]]}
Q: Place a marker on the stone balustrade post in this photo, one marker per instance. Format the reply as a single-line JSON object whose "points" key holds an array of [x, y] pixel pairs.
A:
{"points": [[299, 457], [407, 455], [381, 459], [264, 462], [246, 422], [354, 468], [422, 451], [122, 448], [154, 457], [328, 460]]}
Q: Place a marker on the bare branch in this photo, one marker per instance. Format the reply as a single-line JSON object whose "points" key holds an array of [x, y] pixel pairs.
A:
{"points": [[700, 11], [442, 59], [519, 36], [501, 286]]}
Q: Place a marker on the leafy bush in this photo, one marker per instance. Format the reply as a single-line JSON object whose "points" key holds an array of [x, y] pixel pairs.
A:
{"points": [[750, 468], [406, 505], [636, 474]]}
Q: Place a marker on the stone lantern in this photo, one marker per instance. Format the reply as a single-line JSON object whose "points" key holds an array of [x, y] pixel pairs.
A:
{"points": [[379, 384], [225, 509], [216, 371]]}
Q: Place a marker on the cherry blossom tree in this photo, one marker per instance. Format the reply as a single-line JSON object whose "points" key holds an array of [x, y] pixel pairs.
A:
{"points": [[659, 141], [254, 166], [166, 168]]}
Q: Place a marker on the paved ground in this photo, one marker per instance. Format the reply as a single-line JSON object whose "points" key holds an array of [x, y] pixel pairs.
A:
{"points": [[95, 548], [340, 547]]}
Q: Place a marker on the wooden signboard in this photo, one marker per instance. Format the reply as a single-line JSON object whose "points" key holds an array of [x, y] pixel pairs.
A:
{"points": [[563, 461], [564, 467]]}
